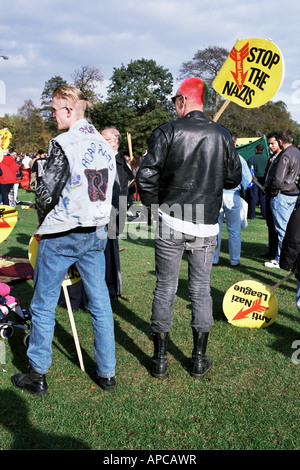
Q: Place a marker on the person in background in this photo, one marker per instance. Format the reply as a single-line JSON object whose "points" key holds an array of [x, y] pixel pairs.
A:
{"points": [[256, 194], [231, 211], [25, 183], [39, 165], [273, 143], [121, 185], [290, 250], [13, 194], [282, 188], [188, 163], [8, 177]]}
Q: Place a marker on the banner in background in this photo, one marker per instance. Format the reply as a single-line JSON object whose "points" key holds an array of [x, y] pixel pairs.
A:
{"points": [[248, 150]]}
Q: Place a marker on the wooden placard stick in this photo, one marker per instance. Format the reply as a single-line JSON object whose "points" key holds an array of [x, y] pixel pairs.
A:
{"points": [[221, 110], [129, 146], [259, 185], [73, 326], [281, 281]]}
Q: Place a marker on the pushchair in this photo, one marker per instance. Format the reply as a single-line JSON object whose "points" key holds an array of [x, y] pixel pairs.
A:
{"points": [[12, 315]]}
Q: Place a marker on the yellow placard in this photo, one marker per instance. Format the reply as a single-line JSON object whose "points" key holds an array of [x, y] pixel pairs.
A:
{"points": [[73, 275], [250, 304], [252, 73], [5, 138], [8, 219]]}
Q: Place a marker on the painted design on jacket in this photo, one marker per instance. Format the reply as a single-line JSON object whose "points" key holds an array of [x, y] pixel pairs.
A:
{"points": [[75, 180], [97, 184]]}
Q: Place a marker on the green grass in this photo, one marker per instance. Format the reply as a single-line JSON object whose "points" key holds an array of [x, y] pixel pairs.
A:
{"points": [[249, 400]]}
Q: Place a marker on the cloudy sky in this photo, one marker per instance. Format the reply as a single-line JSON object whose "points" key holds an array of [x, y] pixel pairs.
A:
{"points": [[45, 38]]}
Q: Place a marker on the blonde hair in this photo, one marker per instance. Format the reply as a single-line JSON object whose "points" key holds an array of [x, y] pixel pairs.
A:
{"points": [[71, 94]]}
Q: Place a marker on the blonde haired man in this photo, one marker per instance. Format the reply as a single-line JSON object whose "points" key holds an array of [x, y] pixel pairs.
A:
{"points": [[73, 201]]}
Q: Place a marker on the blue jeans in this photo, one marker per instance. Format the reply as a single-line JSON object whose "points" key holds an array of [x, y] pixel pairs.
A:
{"points": [[231, 209], [282, 207], [298, 296], [169, 249], [56, 253]]}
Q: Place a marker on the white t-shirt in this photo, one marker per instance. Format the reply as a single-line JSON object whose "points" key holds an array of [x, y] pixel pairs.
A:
{"points": [[197, 230]]}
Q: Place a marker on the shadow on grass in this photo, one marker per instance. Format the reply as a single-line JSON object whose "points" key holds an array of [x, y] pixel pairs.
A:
{"points": [[18, 251], [143, 326], [14, 418]]}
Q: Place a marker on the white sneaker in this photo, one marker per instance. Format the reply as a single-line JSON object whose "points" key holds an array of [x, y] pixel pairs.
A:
{"points": [[272, 264]]}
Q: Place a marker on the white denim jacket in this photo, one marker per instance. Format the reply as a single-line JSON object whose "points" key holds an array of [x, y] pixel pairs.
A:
{"points": [[86, 198]]}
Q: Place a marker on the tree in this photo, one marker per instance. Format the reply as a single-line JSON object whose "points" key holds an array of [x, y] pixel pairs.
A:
{"points": [[31, 133], [87, 79], [138, 101], [255, 122]]}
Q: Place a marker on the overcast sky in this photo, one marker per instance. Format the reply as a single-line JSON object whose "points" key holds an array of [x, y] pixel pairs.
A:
{"points": [[45, 38]]}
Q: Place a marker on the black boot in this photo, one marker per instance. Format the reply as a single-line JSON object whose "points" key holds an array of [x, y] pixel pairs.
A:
{"points": [[201, 363], [159, 360], [32, 382]]}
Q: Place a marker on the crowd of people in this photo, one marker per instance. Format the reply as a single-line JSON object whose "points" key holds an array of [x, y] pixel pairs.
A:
{"points": [[190, 179], [19, 170]]}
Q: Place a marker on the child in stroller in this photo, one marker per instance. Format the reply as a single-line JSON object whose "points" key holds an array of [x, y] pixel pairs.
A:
{"points": [[11, 305]]}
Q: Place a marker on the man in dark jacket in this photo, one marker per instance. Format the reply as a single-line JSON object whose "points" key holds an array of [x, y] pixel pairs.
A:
{"points": [[282, 187], [188, 163], [273, 144], [290, 251]]}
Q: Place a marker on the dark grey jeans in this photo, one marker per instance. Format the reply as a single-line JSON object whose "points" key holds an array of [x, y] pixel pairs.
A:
{"points": [[169, 248]]}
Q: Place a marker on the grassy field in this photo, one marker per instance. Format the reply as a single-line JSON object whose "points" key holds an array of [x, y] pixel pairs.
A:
{"points": [[249, 400]]}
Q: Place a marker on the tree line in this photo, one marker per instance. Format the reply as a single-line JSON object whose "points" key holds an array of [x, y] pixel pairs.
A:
{"points": [[138, 100]]}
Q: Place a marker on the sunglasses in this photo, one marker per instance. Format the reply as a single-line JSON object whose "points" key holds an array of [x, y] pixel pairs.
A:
{"points": [[174, 98]]}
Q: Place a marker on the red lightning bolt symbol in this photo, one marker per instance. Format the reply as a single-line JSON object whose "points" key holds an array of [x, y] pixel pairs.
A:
{"points": [[256, 307], [4, 224], [238, 57]]}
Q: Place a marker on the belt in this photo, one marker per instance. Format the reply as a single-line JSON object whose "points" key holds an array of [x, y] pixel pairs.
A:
{"points": [[285, 193]]}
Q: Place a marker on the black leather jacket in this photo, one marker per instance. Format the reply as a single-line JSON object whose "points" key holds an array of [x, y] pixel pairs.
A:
{"points": [[283, 173], [51, 184], [189, 162]]}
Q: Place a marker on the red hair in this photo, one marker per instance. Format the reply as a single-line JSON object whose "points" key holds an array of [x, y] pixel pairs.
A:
{"points": [[195, 89]]}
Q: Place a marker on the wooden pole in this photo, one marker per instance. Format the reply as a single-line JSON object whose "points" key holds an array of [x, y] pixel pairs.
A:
{"points": [[129, 146], [73, 326], [280, 282], [221, 110]]}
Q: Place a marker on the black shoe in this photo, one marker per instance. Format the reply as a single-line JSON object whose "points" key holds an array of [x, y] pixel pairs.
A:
{"points": [[106, 383], [159, 359], [201, 363], [32, 382]]}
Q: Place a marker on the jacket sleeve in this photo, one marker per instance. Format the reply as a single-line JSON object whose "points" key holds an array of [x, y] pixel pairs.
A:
{"points": [[290, 251], [50, 187], [246, 175], [148, 175], [232, 167], [280, 175]]}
